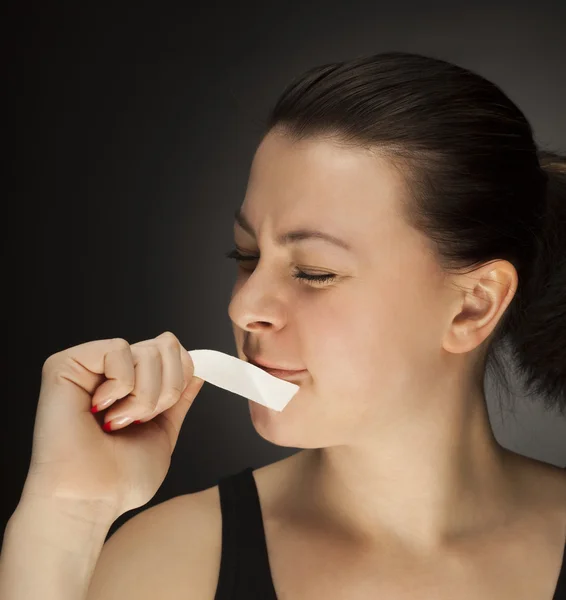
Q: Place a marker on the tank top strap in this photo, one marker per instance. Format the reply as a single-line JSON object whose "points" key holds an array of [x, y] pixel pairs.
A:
{"points": [[244, 564], [560, 592]]}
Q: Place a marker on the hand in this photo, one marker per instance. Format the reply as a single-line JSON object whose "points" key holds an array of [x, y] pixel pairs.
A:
{"points": [[73, 458]]}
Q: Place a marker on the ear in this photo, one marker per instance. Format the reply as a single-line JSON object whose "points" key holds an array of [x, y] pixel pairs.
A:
{"points": [[484, 295]]}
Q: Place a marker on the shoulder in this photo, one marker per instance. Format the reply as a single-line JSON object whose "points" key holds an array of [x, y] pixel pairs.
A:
{"points": [[171, 550]]}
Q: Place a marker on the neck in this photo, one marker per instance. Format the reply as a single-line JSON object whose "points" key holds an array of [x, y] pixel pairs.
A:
{"points": [[425, 481]]}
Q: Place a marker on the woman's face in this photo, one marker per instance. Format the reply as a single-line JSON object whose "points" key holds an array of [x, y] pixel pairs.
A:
{"points": [[369, 337]]}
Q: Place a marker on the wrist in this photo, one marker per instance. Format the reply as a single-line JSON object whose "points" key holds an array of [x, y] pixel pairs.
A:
{"points": [[92, 511], [87, 518], [50, 549]]}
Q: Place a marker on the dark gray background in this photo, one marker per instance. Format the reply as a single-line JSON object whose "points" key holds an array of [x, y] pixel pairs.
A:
{"points": [[134, 131]]}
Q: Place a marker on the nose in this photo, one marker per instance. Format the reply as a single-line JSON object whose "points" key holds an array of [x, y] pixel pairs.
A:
{"points": [[257, 303]]}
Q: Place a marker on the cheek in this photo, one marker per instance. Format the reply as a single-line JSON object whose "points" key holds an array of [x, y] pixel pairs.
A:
{"points": [[364, 343], [352, 328]]}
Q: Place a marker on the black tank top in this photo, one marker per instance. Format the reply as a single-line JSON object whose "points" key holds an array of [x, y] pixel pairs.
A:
{"points": [[244, 564]]}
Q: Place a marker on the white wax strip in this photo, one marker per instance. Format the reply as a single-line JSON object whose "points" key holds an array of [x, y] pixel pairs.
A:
{"points": [[243, 378]]}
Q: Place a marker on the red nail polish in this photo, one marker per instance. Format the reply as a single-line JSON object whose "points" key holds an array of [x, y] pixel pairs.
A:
{"points": [[107, 426], [94, 409], [136, 422]]}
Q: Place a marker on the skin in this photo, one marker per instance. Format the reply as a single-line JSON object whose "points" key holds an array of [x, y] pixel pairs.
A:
{"points": [[393, 407]]}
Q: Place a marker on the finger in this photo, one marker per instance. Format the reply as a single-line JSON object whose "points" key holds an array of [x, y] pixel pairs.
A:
{"points": [[172, 418], [173, 378], [143, 399], [119, 370], [85, 367]]}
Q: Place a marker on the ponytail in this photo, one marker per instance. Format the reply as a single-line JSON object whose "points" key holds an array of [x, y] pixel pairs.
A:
{"points": [[539, 343]]}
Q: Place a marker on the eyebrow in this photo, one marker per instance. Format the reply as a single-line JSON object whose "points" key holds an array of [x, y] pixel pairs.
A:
{"points": [[297, 235]]}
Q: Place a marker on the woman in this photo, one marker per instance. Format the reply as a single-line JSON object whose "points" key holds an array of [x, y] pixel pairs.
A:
{"points": [[408, 227]]}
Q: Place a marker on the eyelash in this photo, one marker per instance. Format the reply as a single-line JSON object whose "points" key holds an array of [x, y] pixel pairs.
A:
{"points": [[297, 275]]}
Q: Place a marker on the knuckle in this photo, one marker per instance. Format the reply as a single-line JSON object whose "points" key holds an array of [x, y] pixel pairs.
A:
{"points": [[143, 386], [144, 394], [168, 398], [165, 400], [50, 362], [61, 366], [119, 343], [169, 339], [176, 389], [125, 385]]}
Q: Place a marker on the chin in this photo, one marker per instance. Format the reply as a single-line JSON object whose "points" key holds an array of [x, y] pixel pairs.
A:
{"points": [[287, 428]]}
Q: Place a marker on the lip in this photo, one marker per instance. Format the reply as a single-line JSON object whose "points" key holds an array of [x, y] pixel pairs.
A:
{"points": [[266, 366], [281, 372], [287, 374], [291, 376]]}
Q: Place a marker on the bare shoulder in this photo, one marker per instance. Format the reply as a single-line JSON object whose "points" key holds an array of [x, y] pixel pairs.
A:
{"points": [[169, 551]]}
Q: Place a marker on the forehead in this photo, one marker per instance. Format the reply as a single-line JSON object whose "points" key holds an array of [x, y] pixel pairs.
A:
{"points": [[321, 184], [315, 164]]}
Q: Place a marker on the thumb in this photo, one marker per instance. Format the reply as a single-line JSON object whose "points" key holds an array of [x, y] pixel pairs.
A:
{"points": [[172, 418]]}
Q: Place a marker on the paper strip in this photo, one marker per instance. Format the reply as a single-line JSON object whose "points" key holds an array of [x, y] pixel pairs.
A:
{"points": [[242, 378]]}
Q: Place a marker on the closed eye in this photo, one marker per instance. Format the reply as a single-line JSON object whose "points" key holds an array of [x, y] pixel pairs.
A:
{"points": [[298, 274]]}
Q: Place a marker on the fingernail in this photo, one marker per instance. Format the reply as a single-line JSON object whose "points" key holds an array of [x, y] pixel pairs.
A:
{"points": [[120, 421], [101, 405], [136, 422]]}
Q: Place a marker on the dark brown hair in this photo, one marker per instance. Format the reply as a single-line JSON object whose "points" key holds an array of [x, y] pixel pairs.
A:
{"points": [[481, 189]]}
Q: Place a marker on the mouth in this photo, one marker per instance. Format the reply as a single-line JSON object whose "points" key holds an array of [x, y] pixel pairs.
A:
{"points": [[291, 376], [286, 374]]}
